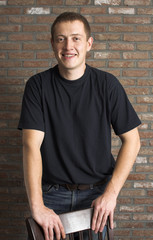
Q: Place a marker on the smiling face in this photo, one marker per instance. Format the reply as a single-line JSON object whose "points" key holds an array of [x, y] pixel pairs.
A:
{"points": [[70, 45]]}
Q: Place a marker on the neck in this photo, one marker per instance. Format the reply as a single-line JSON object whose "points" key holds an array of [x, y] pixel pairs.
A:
{"points": [[72, 74]]}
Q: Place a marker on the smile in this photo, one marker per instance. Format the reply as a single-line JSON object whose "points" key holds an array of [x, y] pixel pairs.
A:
{"points": [[68, 55]]}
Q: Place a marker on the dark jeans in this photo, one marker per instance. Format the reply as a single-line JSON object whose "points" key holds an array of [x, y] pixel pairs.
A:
{"points": [[62, 200]]}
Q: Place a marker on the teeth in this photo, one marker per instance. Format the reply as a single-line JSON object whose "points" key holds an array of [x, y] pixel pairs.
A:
{"points": [[66, 55], [69, 55]]}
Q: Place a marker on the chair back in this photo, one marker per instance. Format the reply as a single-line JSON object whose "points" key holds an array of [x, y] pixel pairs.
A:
{"points": [[76, 221]]}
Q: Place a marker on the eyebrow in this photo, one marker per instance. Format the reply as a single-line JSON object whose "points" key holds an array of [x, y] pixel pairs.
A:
{"points": [[74, 34]]}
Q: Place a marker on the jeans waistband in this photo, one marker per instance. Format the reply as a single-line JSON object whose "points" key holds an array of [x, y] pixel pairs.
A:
{"points": [[72, 187]]}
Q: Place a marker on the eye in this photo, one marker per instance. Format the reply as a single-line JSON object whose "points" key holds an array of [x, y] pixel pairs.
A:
{"points": [[60, 39], [76, 39]]}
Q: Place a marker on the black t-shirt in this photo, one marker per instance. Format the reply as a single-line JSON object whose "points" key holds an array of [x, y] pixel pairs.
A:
{"points": [[76, 117]]}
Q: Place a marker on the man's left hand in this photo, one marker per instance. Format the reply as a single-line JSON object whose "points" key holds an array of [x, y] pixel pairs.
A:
{"points": [[104, 206]]}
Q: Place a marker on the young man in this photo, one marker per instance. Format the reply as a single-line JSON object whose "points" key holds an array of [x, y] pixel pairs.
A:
{"points": [[66, 117]]}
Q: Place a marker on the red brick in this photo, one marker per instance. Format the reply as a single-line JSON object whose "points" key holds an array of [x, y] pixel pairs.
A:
{"points": [[36, 46], [135, 176], [143, 185], [21, 73], [16, 90], [131, 209], [3, 72], [146, 151], [140, 109], [132, 193], [45, 55], [43, 37], [93, 10], [150, 176], [49, 2], [21, 55], [150, 193], [3, 19], [2, 55], [148, 28], [107, 19], [121, 46], [107, 2], [36, 28], [107, 36], [143, 217], [143, 11], [64, 9], [10, 64], [145, 64], [21, 19], [106, 55], [148, 46], [137, 2], [20, 37], [135, 73], [131, 224], [144, 169], [137, 91], [121, 10], [98, 28], [36, 64], [143, 201], [9, 115], [145, 99], [10, 28], [121, 64], [135, 55], [45, 19], [144, 233], [147, 117], [98, 46], [99, 64], [126, 82], [20, 2], [136, 37], [37, 10], [10, 11], [78, 2], [3, 38], [143, 82], [10, 46], [147, 134], [121, 28], [137, 20]]}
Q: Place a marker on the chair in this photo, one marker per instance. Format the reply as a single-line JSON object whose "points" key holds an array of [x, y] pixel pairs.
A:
{"points": [[73, 222]]}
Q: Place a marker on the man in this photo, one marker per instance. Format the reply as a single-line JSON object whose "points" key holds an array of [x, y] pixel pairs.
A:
{"points": [[66, 117]]}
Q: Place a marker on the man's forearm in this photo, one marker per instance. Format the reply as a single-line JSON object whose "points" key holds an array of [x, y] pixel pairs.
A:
{"points": [[32, 165], [125, 160]]}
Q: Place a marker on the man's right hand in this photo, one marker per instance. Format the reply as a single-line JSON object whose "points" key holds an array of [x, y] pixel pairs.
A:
{"points": [[50, 222]]}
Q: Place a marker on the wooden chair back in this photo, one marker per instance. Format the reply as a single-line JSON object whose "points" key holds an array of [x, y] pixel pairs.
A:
{"points": [[73, 222]]}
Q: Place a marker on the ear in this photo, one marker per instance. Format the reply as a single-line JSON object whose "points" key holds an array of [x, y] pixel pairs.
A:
{"points": [[89, 44]]}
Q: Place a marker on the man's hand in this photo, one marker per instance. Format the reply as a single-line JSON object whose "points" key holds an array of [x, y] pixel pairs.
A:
{"points": [[50, 222], [103, 206]]}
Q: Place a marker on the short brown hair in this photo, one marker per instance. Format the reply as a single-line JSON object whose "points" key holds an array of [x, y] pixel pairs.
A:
{"points": [[71, 16]]}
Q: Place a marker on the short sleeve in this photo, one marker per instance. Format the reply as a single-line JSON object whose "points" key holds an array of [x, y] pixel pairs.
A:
{"points": [[123, 116], [32, 116]]}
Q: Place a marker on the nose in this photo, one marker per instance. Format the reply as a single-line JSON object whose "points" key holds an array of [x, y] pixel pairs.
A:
{"points": [[68, 44]]}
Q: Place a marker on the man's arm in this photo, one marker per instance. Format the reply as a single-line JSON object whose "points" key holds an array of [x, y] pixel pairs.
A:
{"points": [[105, 204], [32, 165]]}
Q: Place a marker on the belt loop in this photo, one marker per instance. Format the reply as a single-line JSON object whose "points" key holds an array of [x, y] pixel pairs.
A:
{"points": [[56, 186], [91, 186]]}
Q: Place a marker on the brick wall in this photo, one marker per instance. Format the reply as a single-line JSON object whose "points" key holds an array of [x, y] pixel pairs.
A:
{"points": [[123, 35]]}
